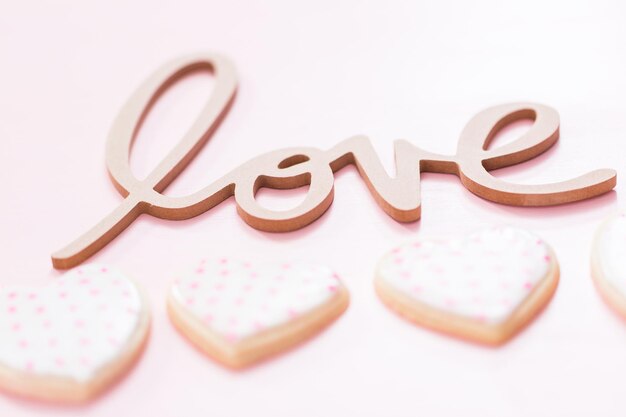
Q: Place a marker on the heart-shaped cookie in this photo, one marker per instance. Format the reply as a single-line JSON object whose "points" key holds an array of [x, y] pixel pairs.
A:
{"points": [[239, 312], [483, 287], [71, 339], [608, 268]]}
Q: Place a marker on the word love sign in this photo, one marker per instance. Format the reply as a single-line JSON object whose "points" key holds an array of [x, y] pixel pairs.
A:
{"points": [[398, 196]]}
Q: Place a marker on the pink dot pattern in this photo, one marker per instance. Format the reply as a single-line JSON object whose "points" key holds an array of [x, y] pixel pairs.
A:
{"points": [[71, 328], [484, 276], [610, 252], [237, 299]]}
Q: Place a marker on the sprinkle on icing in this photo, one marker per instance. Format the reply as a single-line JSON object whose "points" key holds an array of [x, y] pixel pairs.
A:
{"points": [[484, 276], [71, 328], [238, 299]]}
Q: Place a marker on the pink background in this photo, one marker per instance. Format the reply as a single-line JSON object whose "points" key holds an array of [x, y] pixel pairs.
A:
{"points": [[314, 75]]}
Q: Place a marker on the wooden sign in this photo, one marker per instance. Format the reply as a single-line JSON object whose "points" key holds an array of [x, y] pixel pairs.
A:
{"points": [[398, 196]]}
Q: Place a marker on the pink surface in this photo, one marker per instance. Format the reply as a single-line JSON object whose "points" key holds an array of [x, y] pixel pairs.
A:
{"points": [[314, 75]]}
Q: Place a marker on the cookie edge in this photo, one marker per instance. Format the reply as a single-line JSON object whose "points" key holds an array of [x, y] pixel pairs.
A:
{"points": [[455, 325], [63, 390], [262, 346], [615, 300]]}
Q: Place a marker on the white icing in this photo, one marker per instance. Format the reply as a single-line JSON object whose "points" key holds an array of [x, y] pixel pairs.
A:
{"points": [[483, 276], [237, 299], [71, 328], [610, 252]]}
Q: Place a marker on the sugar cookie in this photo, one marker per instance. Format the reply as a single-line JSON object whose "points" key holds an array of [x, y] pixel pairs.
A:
{"points": [[239, 313], [608, 265], [70, 340], [483, 287]]}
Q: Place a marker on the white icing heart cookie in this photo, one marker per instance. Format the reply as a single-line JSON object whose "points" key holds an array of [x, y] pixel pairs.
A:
{"points": [[70, 340], [239, 313], [483, 287], [608, 262]]}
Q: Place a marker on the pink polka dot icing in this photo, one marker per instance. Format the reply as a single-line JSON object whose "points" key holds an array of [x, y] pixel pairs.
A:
{"points": [[484, 276], [237, 299], [71, 328]]}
